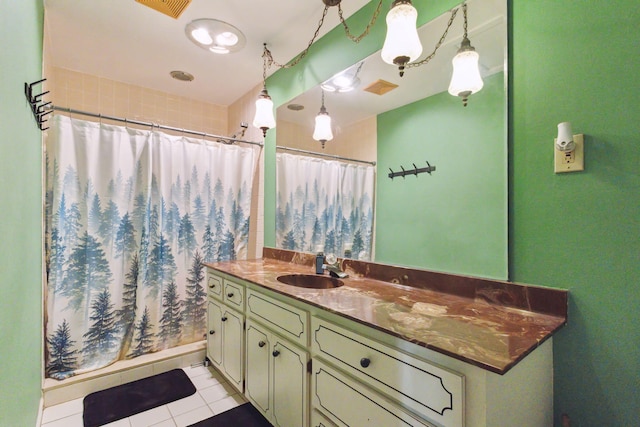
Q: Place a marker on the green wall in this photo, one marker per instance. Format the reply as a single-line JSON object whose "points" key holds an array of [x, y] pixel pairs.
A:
{"points": [[20, 217], [456, 219], [578, 61], [569, 60]]}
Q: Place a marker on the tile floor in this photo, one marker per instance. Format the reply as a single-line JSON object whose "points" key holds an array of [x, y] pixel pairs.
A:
{"points": [[213, 396]]}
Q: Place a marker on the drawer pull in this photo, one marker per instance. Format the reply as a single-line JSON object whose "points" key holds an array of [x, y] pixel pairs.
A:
{"points": [[224, 319], [230, 295], [212, 285], [211, 332], [365, 362], [262, 344], [275, 353]]}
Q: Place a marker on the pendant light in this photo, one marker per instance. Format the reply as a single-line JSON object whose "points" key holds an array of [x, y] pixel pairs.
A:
{"points": [[264, 118], [322, 131], [402, 44], [466, 79]]}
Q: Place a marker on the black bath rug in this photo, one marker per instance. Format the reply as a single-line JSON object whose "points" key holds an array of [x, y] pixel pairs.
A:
{"points": [[244, 415], [103, 407]]}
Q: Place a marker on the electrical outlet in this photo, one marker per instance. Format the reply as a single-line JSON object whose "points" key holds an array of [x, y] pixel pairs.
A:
{"points": [[569, 161]]}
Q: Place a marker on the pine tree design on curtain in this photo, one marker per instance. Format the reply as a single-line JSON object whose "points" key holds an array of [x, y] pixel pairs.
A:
{"points": [[324, 204], [129, 225]]}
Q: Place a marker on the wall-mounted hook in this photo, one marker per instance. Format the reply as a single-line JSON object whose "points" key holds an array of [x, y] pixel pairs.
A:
{"points": [[415, 171], [37, 109]]}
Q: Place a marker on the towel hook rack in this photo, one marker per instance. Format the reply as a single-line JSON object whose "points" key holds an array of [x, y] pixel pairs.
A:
{"points": [[415, 171]]}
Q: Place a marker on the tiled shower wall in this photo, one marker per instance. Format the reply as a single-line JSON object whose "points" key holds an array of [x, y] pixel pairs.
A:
{"points": [[79, 91], [108, 97]]}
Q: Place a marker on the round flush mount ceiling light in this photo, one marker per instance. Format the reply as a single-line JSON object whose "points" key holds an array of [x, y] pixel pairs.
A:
{"points": [[215, 36], [344, 81]]}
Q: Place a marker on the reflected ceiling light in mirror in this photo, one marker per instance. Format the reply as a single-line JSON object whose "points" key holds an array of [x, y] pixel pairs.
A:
{"points": [[402, 44], [322, 132], [466, 79], [215, 36], [345, 81]]}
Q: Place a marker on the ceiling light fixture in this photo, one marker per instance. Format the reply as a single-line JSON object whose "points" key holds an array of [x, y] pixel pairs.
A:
{"points": [[215, 36], [344, 81], [402, 44], [264, 118], [322, 131], [466, 79]]}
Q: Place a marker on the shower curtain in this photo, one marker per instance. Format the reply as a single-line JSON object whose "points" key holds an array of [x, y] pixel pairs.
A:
{"points": [[131, 216], [324, 205]]}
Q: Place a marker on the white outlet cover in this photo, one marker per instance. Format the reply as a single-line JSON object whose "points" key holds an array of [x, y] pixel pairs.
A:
{"points": [[560, 165]]}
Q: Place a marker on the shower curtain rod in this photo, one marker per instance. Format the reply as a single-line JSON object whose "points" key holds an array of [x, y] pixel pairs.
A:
{"points": [[332, 156], [154, 125]]}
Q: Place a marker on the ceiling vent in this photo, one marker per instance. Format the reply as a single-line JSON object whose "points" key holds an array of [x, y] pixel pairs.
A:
{"points": [[380, 87], [172, 8]]}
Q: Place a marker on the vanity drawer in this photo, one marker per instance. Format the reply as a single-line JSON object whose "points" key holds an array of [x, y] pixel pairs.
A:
{"points": [[433, 392], [234, 294], [350, 404], [280, 317], [214, 286]]}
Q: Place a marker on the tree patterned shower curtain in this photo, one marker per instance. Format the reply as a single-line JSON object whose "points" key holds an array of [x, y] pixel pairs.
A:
{"points": [[131, 215], [324, 204]]}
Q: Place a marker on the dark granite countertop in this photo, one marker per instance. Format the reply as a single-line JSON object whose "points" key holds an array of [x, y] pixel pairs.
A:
{"points": [[490, 324]]}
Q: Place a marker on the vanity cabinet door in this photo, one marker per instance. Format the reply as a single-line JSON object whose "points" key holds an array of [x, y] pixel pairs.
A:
{"points": [[277, 380], [290, 384], [214, 333], [257, 388], [233, 346]]}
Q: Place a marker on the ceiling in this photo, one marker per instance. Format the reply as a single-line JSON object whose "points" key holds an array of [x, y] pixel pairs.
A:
{"points": [[126, 41]]}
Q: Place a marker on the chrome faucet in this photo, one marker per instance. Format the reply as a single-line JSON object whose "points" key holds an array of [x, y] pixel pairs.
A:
{"points": [[333, 267]]}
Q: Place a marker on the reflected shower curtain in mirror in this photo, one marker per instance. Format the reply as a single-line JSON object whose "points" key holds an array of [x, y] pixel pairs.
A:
{"points": [[131, 215], [324, 204]]}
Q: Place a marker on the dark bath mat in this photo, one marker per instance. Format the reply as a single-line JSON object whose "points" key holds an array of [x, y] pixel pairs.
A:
{"points": [[103, 407], [244, 415]]}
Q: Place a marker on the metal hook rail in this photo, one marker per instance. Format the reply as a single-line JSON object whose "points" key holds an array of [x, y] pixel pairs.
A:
{"points": [[415, 171], [38, 107]]}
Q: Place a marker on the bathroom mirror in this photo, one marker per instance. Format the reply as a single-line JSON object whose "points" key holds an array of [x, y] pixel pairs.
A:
{"points": [[455, 218]]}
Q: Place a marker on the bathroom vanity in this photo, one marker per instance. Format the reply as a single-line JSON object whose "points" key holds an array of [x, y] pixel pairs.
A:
{"points": [[387, 346]]}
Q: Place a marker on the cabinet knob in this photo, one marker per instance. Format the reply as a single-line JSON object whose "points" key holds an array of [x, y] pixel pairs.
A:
{"points": [[230, 295], [275, 353], [365, 362], [262, 344], [211, 332], [212, 285], [224, 319]]}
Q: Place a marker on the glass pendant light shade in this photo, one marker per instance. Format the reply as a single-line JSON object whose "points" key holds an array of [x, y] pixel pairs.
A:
{"points": [[264, 118], [402, 44], [322, 131], [466, 79]]}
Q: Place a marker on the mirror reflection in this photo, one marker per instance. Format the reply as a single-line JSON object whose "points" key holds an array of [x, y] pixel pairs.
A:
{"points": [[452, 220]]}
